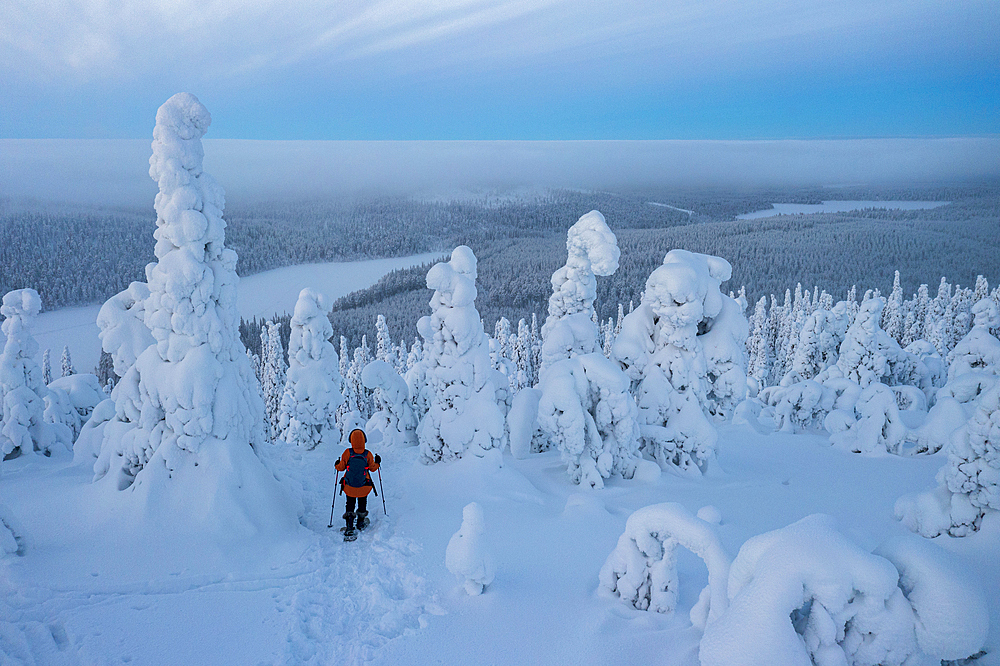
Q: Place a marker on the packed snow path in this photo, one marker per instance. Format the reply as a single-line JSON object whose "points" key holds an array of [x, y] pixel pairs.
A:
{"points": [[332, 602]]}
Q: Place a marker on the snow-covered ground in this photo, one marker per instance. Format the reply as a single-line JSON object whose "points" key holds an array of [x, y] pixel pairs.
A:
{"points": [[838, 207], [88, 589], [90, 586], [261, 295]]}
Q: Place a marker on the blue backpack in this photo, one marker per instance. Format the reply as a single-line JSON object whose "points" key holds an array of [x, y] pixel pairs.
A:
{"points": [[356, 474]]}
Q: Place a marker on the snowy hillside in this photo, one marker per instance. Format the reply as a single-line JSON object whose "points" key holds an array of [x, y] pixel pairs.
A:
{"points": [[697, 482]]}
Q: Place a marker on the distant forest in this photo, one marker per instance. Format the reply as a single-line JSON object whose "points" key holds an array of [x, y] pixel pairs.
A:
{"points": [[75, 256]]}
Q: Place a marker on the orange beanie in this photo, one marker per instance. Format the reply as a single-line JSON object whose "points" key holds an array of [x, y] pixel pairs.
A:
{"points": [[357, 439]]}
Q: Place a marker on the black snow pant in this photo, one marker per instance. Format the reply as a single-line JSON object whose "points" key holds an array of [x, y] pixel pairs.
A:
{"points": [[361, 503]]}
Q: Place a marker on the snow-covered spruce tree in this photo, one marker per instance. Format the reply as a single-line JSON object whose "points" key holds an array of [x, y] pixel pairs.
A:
{"points": [[46, 368], [307, 414], [273, 375], [195, 411], [66, 363], [462, 414], [585, 407], [970, 480], [24, 396], [663, 349], [569, 329], [395, 419], [819, 342]]}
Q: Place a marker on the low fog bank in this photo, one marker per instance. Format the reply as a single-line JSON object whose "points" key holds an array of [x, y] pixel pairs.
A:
{"points": [[114, 172]]}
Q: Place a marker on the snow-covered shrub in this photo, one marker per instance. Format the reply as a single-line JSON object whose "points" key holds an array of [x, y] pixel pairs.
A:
{"points": [[587, 412], [935, 366], [819, 343], [87, 447], [971, 476], [467, 555], [22, 392], [642, 569], [83, 392], [951, 618], [457, 388], [799, 406], [569, 329], [190, 407], [664, 347], [395, 420], [868, 354], [804, 594], [307, 416], [876, 426]]}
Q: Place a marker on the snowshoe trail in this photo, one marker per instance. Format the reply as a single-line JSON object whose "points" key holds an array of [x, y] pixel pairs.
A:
{"points": [[359, 596]]}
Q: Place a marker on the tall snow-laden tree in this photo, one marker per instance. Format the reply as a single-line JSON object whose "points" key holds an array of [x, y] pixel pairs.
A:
{"points": [[892, 316], [395, 420], [194, 409], [462, 415], [663, 349], [307, 414], [22, 393], [585, 407], [66, 364], [273, 375], [46, 368], [569, 329]]}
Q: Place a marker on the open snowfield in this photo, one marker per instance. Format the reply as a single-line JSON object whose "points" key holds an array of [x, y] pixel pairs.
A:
{"points": [[89, 589], [261, 296]]}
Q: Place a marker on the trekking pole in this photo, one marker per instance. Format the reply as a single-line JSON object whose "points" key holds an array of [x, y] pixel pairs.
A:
{"points": [[380, 491], [334, 502]]}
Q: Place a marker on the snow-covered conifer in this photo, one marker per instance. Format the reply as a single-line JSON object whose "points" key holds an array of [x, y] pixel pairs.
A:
{"points": [[395, 420], [665, 348], [194, 413], [758, 344], [569, 329], [24, 397], [273, 375], [312, 394], [462, 415], [46, 368], [892, 316], [66, 363]]}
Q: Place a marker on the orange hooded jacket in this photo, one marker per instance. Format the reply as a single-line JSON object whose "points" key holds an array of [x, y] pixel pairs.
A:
{"points": [[357, 439]]}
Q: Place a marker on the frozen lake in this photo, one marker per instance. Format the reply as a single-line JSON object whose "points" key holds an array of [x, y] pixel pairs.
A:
{"points": [[838, 207], [260, 296]]}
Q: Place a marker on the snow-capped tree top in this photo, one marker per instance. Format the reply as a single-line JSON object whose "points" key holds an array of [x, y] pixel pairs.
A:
{"points": [[985, 314], [19, 307], [592, 241], [454, 282], [688, 284], [180, 122]]}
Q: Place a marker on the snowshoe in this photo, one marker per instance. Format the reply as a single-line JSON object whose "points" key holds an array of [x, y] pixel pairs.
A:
{"points": [[350, 534], [363, 521]]}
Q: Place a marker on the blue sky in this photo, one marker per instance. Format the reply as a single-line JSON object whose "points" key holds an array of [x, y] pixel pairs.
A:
{"points": [[474, 69]]}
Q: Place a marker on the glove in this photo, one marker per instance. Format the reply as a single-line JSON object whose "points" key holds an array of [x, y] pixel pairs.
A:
{"points": [[378, 459]]}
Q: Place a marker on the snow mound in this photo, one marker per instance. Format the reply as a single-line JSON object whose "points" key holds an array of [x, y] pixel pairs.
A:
{"points": [[467, 556]]}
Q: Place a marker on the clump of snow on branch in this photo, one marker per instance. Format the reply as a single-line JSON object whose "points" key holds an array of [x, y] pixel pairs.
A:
{"points": [[29, 407], [569, 329], [395, 420], [805, 594], [457, 396], [307, 415], [682, 348], [642, 569], [467, 555], [190, 407]]}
